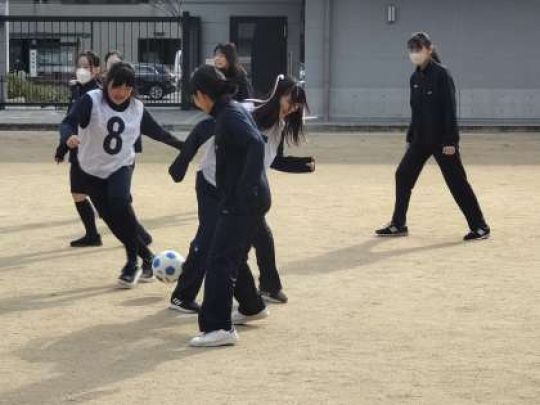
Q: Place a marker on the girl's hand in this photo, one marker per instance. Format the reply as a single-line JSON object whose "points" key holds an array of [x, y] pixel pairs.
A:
{"points": [[449, 150], [73, 142]]}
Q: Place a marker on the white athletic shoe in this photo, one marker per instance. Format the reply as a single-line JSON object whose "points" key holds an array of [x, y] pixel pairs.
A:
{"points": [[216, 338], [240, 319]]}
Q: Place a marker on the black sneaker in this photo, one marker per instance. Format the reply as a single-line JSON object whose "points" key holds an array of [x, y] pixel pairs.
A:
{"points": [[129, 277], [184, 307], [275, 298], [87, 241], [478, 234], [392, 230], [147, 275]]}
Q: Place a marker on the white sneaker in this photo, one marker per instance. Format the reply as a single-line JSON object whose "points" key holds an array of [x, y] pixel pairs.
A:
{"points": [[240, 319], [215, 339]]}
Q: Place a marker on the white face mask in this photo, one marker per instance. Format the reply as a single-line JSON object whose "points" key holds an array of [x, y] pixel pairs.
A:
{"points": [[83, 75], [417, 58]]}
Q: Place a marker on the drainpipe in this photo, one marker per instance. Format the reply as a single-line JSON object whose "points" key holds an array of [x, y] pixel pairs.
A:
{"points": [[327, 58], [4, 49]]}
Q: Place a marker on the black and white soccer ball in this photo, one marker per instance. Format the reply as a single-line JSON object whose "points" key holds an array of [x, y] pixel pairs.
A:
{"points": [[167, 266]]}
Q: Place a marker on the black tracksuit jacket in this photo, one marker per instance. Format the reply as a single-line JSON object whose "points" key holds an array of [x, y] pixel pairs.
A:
{"points": [[433, 104]]}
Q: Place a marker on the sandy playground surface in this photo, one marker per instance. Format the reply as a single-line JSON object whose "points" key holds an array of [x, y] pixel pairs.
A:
{"points": [[422, 320]]}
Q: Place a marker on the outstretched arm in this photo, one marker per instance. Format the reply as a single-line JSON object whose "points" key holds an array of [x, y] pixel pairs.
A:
{"points": [[202, 132], [292, 164], [152, 129]]}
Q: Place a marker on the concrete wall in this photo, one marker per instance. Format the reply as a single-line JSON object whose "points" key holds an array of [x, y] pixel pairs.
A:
{"points": [[489, 45], [215, 16]]}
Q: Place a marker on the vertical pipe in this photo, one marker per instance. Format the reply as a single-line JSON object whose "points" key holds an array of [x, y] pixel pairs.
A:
{"points": [[4, 58], [186, 59], [327, 58]]}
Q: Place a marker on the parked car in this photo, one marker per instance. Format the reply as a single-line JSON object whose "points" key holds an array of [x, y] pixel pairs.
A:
{"points": [[154, 81]]}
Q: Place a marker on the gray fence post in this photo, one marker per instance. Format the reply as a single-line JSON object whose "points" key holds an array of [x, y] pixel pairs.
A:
{"points": [[186, 60], [4, 51]]}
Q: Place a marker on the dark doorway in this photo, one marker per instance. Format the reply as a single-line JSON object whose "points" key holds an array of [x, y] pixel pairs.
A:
{"points": [[159, 50], [262, 47]]}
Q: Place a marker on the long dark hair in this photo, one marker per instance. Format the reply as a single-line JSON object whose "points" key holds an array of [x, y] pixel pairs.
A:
{"points": [[422, 40], [267, 114], [235, 69], [212, 82]]}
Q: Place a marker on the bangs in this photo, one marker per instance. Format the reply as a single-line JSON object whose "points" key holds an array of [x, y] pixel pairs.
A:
{"points": [[122, 76], [419, 41]]}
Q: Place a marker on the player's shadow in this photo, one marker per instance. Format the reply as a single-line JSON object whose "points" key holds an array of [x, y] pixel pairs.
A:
{"points": [[21, 260], [37, 225], [38, 302], [83, 363], [355, 256], [152, 223]]}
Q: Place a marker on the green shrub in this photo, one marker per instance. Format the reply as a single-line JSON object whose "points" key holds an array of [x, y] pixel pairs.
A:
{"points": [[23, 89]]}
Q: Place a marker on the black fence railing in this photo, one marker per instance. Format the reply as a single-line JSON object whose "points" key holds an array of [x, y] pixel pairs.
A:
{"points": [[43, 54]]}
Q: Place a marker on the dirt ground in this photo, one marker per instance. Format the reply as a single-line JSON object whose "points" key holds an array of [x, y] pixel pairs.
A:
{"points": [[423, 320]]}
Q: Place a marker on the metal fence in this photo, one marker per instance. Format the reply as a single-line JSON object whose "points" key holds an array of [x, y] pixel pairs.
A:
{"points": [[43, 55]]}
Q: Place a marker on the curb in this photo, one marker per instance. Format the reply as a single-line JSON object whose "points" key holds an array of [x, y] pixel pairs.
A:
{"points": [[313, 127]]}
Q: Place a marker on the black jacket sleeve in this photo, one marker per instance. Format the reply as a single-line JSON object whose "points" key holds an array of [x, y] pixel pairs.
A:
{"points": [[448, 92], [244, 87], [75, 95], [202, 132], [78, 116], [291, 164], [410, 130], [152, 129]]}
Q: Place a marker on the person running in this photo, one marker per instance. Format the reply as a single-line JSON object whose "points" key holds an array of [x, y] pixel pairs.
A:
{"points": [[104, 125]]}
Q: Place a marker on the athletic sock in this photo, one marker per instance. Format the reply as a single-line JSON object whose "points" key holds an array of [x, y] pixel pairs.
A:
{"points": [[88, 218]]}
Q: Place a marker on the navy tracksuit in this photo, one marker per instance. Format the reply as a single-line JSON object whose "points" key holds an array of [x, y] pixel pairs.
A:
{"points": [[244, 200], [433, 126], [194, 269]]}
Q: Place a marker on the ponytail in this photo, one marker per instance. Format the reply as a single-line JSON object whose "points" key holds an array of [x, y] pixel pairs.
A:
{"points": [[211, 82], [435, 56]]}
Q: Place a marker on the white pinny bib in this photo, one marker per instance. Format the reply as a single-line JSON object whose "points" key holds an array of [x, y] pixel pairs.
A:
{"points": [[107, 142]]}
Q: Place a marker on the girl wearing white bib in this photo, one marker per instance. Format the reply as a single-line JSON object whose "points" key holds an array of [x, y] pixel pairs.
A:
{"points": [[108, 123]]}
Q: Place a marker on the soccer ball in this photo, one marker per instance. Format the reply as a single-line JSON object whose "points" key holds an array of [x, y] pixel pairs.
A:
{"points": [[167, 266]]}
